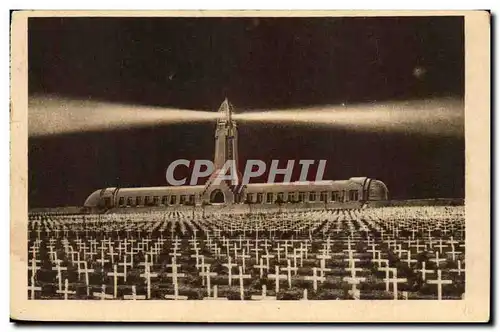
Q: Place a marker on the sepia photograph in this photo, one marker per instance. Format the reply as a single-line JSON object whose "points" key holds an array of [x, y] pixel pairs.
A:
{"points": [[260, 158]]}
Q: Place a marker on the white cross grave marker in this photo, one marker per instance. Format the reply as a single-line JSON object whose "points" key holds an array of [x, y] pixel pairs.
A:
{"points": [[439, 282], [315, 278], [277, 277], [263, 295], [66, 292]]}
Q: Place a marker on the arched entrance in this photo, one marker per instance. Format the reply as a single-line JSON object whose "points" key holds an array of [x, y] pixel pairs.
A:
{"points": [[217, 196]]}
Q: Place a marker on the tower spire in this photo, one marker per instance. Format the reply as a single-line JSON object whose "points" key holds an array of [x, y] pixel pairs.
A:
{"points": [[226, 136], [225, 111], [225, 158]]}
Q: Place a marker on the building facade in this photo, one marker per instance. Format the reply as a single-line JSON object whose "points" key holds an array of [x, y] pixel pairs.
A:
{"points": [[232, 190]]}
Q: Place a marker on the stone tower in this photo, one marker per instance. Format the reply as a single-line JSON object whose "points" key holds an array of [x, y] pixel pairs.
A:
{"points": [[226, 153]]}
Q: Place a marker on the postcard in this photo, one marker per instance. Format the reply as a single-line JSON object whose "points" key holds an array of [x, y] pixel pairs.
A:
{"points": [[322, 166]]}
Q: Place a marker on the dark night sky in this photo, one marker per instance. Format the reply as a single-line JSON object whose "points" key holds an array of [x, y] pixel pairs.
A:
{"points": [[257, 63]]}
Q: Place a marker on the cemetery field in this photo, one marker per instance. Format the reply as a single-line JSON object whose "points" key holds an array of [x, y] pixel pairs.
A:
{"points": [[391, 253]]}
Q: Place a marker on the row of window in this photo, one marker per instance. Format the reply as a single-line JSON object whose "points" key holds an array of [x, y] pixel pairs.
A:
{"points": [[335, 196], [312, 196], [155, 200]]}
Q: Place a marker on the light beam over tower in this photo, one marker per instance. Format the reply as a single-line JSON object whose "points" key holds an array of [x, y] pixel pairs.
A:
{"points": [[437, 117]]}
